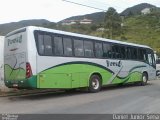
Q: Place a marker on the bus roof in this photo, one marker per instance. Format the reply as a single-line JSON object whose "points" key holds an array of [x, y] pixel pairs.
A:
{"points": [[74, 35]]}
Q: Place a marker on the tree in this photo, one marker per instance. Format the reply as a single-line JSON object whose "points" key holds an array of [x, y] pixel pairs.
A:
{"points": [[130, 13], [112, 23]]}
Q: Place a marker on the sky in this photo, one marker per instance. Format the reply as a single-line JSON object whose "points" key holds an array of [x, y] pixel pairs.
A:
{"points": [[56, 10]]}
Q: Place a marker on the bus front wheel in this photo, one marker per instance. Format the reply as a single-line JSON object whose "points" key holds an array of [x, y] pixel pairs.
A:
{"points": [[144, 79], [94, 84]]}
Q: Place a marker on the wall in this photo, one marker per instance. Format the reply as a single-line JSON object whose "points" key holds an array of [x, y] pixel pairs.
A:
{"points": [[2, 86]]}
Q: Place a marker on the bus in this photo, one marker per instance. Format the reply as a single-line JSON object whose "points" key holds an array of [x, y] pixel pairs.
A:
{"points": [[36, 57], [158, 67]]}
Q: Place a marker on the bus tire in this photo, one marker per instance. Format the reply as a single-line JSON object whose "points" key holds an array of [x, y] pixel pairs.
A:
{"points": [[94, 84], [144, 79]]}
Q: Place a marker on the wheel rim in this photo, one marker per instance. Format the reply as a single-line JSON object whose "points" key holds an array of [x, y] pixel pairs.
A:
{"points": [[144, 79], [95, 84]]}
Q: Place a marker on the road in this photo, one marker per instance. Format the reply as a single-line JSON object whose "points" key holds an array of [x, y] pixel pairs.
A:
{"points": [[119, 99]]}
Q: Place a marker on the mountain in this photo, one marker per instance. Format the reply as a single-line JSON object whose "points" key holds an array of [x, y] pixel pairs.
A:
{"points": [[95, 17], [6, 28], [99, 16], [136, 9], [137, 28]]}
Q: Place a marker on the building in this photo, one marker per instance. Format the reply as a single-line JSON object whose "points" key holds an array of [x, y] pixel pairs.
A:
{"points": [[69, 22], [2, 86], [73, 22], [85, 21], [146, 11]]}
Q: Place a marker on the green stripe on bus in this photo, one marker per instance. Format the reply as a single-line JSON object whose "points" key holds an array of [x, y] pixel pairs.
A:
{"points": [[13, 74], [72, 75]]}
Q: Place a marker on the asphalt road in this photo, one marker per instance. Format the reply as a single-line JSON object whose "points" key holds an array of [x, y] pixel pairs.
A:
{"points": [[121, 99]]}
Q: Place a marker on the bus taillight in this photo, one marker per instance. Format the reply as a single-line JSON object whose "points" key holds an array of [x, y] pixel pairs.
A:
{"points": [[28, 70]]}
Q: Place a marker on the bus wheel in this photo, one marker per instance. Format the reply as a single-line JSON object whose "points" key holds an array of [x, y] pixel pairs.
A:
{"points": [[94, 84], [144, 79]]}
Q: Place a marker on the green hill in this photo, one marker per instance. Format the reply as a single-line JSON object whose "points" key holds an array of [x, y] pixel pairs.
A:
{"points": [[96, 17], [140, 29], [6, 28], [136, 10], [143, 29]]}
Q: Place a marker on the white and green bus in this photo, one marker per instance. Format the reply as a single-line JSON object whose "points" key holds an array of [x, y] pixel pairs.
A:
{"points": [[37, 57]]}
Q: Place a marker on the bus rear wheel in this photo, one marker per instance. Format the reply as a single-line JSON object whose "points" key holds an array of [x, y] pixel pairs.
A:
{"points": [[144, 79], [94, 84]]}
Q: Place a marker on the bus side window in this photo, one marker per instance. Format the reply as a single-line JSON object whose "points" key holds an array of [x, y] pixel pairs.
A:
{"points": [[118, 52], [145, 58], [134, 53], [122, 52], [67, 44], [150, 59], [88, 49], [98, 50], [107, 50], [58, 46], [113, 52], [153, 60], [78, 48], [47, 45], [128, 53], [158, 61], [40, 44], [142, 55]]}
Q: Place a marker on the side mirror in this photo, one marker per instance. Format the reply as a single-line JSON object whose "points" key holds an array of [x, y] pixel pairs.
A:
{"points": [[158, 73]]}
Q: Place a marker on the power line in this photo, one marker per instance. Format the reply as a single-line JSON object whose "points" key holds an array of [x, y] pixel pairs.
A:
{"points": [[102, 5], [84, 5]]}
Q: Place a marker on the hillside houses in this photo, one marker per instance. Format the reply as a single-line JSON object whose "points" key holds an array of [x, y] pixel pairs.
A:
{"points": [[72, 22], [146, 11]]}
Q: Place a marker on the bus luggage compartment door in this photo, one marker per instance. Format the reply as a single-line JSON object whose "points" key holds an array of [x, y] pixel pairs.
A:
{"points": [[56, 80]]}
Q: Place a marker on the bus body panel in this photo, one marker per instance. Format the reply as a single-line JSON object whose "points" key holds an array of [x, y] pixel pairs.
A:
{"points": [[32, 58], [75, 72], [19, 50], [15, 56], [32, 50]]}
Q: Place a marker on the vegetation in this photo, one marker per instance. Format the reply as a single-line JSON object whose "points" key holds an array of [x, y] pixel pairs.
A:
{"points": [[136, 10], [140, 29], [112, 23], [143, 29], [8, 27]]}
